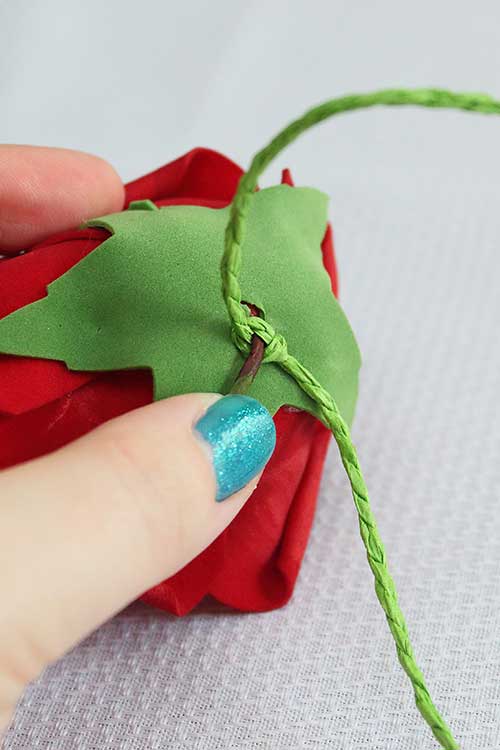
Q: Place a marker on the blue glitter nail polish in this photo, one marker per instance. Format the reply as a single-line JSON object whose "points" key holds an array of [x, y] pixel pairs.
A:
{"points": [[242, 436]]}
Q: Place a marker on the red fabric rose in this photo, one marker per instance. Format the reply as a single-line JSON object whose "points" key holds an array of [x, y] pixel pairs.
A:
{"points": [[254, 563]]}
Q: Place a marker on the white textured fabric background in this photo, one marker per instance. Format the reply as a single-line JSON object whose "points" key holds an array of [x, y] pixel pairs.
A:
{"points": [[415, 204]]}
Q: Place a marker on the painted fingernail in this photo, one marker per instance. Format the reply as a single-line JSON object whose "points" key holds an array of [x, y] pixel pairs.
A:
{"points": [[241, 435]]}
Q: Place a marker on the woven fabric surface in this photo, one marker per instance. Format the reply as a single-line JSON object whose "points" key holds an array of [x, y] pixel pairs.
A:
{"points": [[415, 213]]}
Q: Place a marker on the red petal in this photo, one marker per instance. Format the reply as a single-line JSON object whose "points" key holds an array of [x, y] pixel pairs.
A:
{"points": [[51, 426], [329, 259], [286, 178], [200, 174], [27, 383]]}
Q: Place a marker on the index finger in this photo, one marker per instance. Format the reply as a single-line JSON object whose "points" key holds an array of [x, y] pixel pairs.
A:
{"points": [[45, 190]]}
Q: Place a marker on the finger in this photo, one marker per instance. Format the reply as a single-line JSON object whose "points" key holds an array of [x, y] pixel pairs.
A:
{"points": [[88, 529], [47, 190]]}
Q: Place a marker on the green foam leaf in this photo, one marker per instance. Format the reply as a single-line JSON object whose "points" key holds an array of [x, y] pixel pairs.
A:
{"points": [[150, 297]]}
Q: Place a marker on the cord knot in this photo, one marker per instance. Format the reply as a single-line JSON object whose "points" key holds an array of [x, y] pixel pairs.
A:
{"points": [[276, 349], [243, 331]]}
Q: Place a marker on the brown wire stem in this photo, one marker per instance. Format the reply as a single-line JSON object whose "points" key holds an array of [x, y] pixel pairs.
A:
{"points": [[252, 363]]}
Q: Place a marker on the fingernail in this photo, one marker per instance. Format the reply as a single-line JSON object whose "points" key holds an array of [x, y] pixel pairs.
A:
{"points": [[241, 435]]}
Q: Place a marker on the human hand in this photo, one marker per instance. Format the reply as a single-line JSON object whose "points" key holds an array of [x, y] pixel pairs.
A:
{"points": [[85, 530]]}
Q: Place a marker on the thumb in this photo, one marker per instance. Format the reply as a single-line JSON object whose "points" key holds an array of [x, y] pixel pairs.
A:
{"points": [[86, 530]]}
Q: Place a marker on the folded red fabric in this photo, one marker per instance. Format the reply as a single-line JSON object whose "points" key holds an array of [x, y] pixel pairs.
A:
{"points": [[254, 563]]}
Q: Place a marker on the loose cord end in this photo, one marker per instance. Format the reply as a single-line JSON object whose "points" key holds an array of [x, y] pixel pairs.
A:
{"points": [[273, 348]]}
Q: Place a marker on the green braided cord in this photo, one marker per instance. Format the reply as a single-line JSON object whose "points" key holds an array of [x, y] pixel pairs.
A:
{"points": [[244, 326]]}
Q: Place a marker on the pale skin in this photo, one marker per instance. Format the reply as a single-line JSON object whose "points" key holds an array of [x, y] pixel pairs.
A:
{"points": [[86, 530]]}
